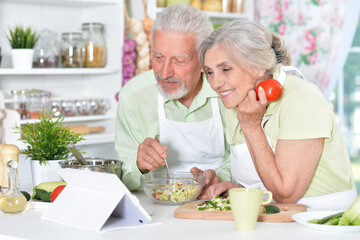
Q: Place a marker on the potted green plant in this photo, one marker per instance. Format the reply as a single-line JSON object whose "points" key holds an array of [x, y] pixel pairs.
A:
{"points": [[22, 41], [46, 145]]}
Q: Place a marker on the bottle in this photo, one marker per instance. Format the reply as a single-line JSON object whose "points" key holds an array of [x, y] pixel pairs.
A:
{"points": [[72, 55], [8, 152], [237, 6], [13, 201], [95, 46]]}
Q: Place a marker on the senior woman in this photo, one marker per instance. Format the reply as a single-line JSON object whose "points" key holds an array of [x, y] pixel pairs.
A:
{"points": [[291, 146]]}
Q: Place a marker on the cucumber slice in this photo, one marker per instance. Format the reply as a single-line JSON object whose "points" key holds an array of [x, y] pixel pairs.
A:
{"points": [[271, 209]]}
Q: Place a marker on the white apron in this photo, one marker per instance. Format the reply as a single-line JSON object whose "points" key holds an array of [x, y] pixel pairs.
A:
{"points": [[244, 172], [192, 144]]}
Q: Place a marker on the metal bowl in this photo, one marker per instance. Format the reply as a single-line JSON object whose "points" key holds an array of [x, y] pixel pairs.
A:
{"points": [[96, 165]]}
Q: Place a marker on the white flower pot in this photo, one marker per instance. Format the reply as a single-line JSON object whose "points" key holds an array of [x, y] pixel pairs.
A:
{"points": [[45, 173], [22, 58]]}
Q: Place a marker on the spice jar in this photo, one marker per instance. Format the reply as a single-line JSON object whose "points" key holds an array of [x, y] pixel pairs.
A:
{"points": [[94, 43], [15, 104], [38, 100], [46, 51], [72, 50]]}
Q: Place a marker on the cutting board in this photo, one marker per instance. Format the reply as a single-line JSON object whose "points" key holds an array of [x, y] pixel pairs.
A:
{"points": [[84, 129], [189, 211]]}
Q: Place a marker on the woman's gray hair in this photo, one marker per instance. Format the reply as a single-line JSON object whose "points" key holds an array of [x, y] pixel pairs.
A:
{"points": [[183, 18], [249, 44]]}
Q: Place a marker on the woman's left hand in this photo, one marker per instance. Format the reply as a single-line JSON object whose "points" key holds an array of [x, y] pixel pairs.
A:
{"points": [[217, 189], [250, 111]]}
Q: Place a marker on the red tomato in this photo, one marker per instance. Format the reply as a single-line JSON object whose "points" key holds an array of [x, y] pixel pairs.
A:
{"points": [[272, 88], [56, 192]]}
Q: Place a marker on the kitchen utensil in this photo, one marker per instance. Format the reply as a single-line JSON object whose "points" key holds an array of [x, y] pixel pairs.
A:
{"points": [[84, 129], [95, 164], [77, 154], [166, 165], [184, 187], [189, 211], [245, 206]]}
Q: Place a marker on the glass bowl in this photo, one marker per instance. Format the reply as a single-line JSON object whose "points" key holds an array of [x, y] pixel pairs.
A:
{"points": [[182, 187]]}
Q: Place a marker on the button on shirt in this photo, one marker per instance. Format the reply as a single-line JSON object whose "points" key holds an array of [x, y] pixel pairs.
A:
{"points": [[137, 119]]}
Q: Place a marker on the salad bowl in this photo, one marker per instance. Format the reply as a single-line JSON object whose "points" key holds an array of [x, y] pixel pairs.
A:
{"points": [[180, 188]]}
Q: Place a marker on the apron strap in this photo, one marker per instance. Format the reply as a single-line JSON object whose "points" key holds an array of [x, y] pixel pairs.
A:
{"points": [[161, 108], [216, 111]]}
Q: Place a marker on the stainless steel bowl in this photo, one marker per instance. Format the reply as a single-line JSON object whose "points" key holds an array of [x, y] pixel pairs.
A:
{"points": [[96, 165]]}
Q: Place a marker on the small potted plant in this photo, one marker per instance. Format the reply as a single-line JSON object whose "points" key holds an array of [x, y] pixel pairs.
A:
{"points": [[22, 41], [46, 144]]}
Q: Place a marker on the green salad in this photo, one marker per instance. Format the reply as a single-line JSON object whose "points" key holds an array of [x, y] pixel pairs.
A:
{"points": [[176, 192], [217, 203]]}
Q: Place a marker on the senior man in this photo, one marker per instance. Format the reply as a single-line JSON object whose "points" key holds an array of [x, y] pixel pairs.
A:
{"points": [[175, 102]]}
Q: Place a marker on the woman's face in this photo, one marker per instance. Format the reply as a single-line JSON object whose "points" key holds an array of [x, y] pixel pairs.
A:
{"points": [[227, 79]]}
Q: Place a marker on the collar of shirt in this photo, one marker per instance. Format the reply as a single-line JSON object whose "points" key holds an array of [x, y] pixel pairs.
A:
{"points": [[199, 100]]}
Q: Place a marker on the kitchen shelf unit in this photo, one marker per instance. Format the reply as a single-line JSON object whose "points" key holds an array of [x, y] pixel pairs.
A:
{"points": [[67, 16]]}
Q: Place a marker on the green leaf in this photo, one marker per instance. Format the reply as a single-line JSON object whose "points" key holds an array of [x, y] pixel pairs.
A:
{"points": [[19, 37], [47, 139]]}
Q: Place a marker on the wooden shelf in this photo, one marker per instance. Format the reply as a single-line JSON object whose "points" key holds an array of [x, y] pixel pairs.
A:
{"points": [[58, 71]]}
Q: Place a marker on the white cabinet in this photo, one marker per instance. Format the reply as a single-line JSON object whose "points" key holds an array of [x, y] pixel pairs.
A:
{"points": [[68, 83]]}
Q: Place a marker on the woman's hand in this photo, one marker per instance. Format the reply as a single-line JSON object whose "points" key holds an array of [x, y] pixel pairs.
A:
{"points": [[217, 189], [210, 176], [250, 111]]}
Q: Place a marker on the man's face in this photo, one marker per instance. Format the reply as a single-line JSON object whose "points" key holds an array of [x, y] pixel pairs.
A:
{"points": [[175, 63]]}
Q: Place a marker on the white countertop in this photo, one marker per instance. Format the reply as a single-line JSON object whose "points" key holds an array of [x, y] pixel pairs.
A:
{"points": [[28, 225]]}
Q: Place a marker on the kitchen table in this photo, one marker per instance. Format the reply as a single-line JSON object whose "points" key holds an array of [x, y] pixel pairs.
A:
{"points": [[28, 225]]}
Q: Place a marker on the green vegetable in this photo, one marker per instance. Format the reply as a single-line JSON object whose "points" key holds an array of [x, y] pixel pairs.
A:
{"points": [[270, 209], [352, 214], [37, 193], [49, 186], [45, 197], [26, 194], [217, 203], [328, 220]]}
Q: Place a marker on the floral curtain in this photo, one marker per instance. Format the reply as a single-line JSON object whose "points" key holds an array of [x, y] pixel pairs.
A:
{"points": [[311, 29]]}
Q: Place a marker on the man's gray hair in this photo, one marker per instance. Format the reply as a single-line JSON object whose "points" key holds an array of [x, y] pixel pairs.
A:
{"points": [[182, 18]]}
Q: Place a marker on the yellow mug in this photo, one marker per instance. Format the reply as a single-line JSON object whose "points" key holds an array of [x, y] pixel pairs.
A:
{"points": [[245, 207]]}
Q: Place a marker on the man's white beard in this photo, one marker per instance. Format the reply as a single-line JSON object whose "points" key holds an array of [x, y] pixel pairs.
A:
{"points": [[173, 95]]}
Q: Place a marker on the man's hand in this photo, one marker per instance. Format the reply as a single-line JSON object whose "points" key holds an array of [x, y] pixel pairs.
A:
{"points": [[150, 155]]}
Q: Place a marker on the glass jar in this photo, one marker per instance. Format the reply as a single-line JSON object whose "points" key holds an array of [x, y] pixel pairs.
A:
{"points": [[94, 43], [38, 100], [46, 50], [72, 55], [15, 103]]}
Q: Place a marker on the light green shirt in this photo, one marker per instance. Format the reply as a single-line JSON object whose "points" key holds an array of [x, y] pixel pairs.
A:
{"points": [[303, 113], [137, 119]]}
